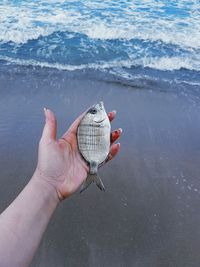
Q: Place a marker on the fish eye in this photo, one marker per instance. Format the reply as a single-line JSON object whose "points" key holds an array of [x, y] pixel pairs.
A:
{"points": [[93, 111]]}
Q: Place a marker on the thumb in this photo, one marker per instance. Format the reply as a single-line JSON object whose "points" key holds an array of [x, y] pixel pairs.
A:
{"points": [[49, 131]]}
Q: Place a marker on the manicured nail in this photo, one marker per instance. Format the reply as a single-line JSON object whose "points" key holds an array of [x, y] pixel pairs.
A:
{"points": [[114, 111], [118, 144], [120, 130]]}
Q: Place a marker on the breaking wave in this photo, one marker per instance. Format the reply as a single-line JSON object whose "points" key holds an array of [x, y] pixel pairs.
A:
{"points": [[70, 35]]}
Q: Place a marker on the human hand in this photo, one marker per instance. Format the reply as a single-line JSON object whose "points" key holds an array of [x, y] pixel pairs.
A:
{"points": [[59, 162]]}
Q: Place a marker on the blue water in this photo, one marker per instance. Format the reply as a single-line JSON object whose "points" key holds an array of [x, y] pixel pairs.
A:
{"points": [[115, 36]]}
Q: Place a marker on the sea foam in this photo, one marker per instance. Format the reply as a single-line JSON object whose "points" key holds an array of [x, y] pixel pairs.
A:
{"points": [[80, 34]]}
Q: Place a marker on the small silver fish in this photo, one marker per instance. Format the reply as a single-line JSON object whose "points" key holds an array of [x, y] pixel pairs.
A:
{"points": [[94, 142]]}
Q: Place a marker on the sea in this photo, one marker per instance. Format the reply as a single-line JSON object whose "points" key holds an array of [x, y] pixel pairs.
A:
{"points": [[128, 41], [142, 59]]}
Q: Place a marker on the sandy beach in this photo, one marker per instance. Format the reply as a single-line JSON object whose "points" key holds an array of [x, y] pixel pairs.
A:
{"points": [[150, 213]]}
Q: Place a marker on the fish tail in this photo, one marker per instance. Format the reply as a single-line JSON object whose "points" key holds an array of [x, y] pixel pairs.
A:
{"points": [[99, 183], [92, 178]]}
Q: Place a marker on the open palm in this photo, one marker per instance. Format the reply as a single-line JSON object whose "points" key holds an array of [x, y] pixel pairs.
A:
{"points": [[59, 161]]}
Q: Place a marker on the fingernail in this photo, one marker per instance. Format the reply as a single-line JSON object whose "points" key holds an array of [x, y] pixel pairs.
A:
{"points": [[45, 112], [119, 145], [120, 130], [114, 111]]}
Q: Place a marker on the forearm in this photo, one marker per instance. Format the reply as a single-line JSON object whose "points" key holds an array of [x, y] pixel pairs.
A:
{"points": [[23, 223]]}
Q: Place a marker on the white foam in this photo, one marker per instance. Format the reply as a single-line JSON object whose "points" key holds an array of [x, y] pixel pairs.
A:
{"points": [[97, 66], [172, 63], [164, 63], [18, 23]]}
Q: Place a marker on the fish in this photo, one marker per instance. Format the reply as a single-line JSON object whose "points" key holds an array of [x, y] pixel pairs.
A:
{"points": [[93, 136]]}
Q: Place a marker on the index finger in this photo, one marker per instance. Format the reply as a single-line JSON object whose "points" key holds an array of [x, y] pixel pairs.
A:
{"points": [[74, 126]]}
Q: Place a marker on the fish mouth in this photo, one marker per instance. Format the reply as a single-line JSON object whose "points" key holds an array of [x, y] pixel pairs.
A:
{"points": [[99, 121]]}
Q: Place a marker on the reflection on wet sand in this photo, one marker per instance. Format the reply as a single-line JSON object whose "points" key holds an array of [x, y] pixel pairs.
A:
{"points": [[150, 213]]}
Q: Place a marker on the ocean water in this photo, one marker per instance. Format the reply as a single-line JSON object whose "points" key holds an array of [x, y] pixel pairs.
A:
{"points": [[117, 37]]}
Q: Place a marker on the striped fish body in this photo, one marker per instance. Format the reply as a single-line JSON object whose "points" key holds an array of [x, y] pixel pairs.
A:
{"points": [[94, 141]]}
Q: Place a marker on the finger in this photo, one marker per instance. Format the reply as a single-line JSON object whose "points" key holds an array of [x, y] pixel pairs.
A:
{"points": [[74, 125], [115, 135], [111, 115], [49, 131], [113, 151]]}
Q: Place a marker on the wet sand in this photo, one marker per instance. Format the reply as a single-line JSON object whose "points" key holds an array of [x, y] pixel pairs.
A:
{"points": [[150, 212]]}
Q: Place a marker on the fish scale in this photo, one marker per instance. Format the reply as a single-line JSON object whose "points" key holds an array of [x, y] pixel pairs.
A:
{"points": [[94, 141], [90, 142]]}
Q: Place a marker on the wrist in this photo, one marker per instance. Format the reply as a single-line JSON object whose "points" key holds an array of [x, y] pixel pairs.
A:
{"points": [[46, 188]]}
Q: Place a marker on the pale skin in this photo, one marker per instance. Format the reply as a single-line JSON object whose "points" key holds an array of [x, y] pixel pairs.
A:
{"points": [[59, 173]]}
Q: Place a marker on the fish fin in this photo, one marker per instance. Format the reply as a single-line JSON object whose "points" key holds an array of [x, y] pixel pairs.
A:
{"points": [[99, 183], [92, 178]]}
